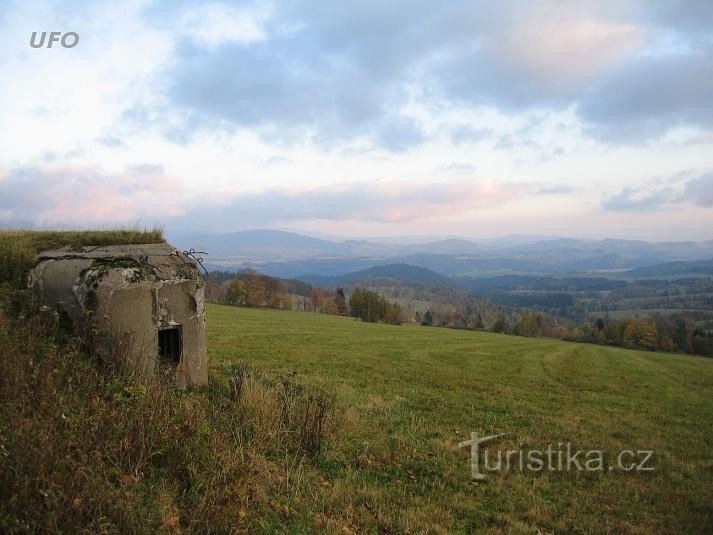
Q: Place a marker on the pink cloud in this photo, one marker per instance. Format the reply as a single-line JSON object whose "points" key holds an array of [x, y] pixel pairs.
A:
{"points": [[81, 195], [558, 44]]}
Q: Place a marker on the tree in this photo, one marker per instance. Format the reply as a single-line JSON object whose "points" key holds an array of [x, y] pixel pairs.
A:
{"points": [[273, 291], [427, 318], [370, 306], [640, 334], [500, 325], [341, 301], [702, 343], [392, 314], [681, 337], [599, 324], [236, 293], [254, 287], [531, 324], [317, 299], [477, 321]]}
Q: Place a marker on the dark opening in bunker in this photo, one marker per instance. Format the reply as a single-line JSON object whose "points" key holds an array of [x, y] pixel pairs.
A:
{"points": [[169, 345]]}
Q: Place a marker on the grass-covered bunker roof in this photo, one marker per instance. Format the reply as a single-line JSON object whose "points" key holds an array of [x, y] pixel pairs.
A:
{"points": [[129, 294]]}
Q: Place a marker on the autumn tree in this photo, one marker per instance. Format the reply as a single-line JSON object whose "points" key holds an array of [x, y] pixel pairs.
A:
{"points": [[640, 334], [254, 287], [531, 324], [317, 299], [273, 291], [392, 313], [236, 294]]}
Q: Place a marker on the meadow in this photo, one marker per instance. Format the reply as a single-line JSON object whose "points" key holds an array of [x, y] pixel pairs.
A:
{"points": [[405, 396], [85, 447]]}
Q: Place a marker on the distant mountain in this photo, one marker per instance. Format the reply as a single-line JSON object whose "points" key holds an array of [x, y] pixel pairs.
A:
{"points": [[290, 254], [399, 272], [256, 245], [672, 269], [328, 267], [631, 249], [449, 246], [279, 245]]}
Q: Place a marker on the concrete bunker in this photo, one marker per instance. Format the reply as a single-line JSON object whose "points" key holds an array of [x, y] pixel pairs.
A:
{"points": [[142, 304]]}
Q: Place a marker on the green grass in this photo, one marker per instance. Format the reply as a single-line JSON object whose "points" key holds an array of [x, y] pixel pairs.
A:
{"points": [[407, 395]]}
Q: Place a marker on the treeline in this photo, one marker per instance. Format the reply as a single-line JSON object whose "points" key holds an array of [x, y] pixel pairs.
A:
{"points": [[372, 307], [670, 333], [218, 283], [676, 333], [578, 298], [447, 307], [252, 289], [658, 333]]}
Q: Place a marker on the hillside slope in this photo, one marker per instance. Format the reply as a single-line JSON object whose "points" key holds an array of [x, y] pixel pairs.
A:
{"points": [[412, 393], [400, 272]]}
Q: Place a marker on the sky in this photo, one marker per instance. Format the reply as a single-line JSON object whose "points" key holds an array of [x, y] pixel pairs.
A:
{"points": [[368, 118]]}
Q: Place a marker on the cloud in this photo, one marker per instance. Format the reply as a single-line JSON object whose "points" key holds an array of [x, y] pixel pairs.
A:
{"points": [[467, 134], [700, 190], [286, 89], [692, 16], [382, 201], [632, 200], [215, 23], [276, 159], [697, 190], [565, 45], [556, 189], [72, 195], [64, 195], [645, 97], [459, 168], [341, 71], [399, 133], [111, 142]]}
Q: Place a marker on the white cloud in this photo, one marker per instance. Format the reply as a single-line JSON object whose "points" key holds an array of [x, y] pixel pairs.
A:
{"points": [[244, 101], [215, 23]]}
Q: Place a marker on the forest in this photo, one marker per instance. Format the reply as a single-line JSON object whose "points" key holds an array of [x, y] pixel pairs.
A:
{"points": [[396, 302]]}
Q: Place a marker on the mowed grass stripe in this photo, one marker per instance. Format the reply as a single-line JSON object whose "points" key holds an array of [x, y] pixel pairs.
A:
{"points": [[412, 393]]}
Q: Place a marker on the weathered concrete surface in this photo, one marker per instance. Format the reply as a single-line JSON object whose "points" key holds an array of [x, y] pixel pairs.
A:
{"points": [[119, 296]]}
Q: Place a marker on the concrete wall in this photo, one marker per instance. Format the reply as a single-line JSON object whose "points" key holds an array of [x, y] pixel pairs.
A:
{"points": [[119, 297]]}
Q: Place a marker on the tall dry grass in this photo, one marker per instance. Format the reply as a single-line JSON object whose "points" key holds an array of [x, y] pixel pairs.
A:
{"points": [[94, 449], [87, 447]]}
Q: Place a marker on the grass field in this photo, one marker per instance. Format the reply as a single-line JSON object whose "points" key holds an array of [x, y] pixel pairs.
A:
{"points": [[406, 396]]}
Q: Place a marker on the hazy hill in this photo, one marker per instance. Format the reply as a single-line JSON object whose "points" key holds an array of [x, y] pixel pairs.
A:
{"points": [[256, 244], [399, 272], [671, 269], [290, 254], [278, 245]]}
